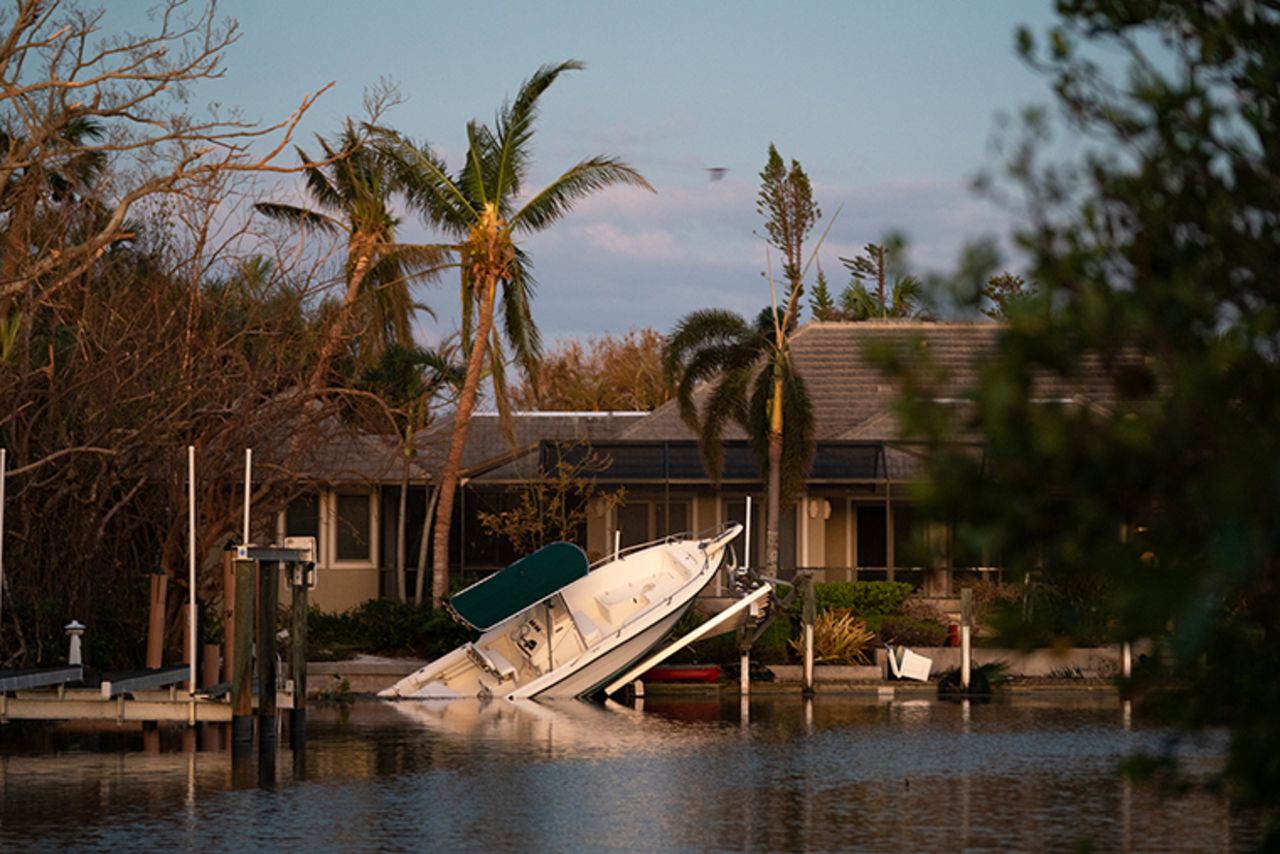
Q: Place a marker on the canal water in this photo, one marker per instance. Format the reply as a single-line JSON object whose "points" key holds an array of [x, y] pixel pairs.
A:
{"points": [[687, 774]]}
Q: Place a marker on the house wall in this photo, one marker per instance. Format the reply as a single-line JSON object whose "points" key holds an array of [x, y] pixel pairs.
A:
{"points": [[340, 589]]}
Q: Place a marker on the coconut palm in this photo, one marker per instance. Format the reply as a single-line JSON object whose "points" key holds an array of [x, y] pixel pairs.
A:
{"points": [[483, 206], [351, 189], [752, 382]]}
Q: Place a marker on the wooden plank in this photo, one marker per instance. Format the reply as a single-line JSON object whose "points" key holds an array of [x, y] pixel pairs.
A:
{"points": [[127, 683], [81, 708], [16, 680]]}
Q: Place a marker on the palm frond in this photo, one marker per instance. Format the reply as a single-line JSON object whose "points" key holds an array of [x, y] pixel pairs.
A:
{"points": [[479, 166], [498, 382], [423, 260], [513, 126], [424, 178], [517, 317], [302, 217], [699, 329], [557, 198], [797, 429], [726, 403]]}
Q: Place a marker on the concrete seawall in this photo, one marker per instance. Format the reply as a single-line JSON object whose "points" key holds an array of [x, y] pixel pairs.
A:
{"points": [[1078, 666]]}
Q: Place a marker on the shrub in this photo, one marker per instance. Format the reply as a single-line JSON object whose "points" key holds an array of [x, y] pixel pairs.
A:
{"points": [[862, 598], [911, 631], [387, 627], [838, 638]]}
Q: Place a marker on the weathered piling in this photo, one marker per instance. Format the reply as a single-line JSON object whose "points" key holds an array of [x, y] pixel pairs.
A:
{"points": [[810, 615], [156, 601], [298, 655], [242, 646], [268, 599], [966, 618]]}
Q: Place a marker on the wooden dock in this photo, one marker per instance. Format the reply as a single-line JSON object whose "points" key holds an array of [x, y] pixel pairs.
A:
{"points": [[84, 704]]}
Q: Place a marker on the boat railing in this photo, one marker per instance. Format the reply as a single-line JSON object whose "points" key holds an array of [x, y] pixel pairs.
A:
{"points": [[705, 534]]}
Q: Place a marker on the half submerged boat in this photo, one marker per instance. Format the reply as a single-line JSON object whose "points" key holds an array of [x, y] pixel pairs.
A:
{"points": [[551, 626]]}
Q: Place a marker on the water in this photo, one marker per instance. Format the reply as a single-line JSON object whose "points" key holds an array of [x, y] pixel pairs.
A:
{"points": [[695, 775]]}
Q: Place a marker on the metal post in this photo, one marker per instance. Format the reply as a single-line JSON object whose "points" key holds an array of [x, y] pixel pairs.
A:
{"points": [[810, 614], [242, 680], [268, 597], [248, 480], [966, 616], [3, 470], [191, 566], [298, 654]]}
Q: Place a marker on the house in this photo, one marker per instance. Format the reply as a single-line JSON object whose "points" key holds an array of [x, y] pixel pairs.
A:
{"points": [[854, 521]]}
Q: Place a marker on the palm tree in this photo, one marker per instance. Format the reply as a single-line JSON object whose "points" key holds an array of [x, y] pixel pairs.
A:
{"points": [[351, 190], [897, 295], [483, 207], [753, 382]]}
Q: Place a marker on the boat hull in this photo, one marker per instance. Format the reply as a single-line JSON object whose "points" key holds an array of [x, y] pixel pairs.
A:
{"points": [[574, 641]]}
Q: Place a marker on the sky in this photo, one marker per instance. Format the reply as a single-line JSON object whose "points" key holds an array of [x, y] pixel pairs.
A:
{"points": [[890, 107]]}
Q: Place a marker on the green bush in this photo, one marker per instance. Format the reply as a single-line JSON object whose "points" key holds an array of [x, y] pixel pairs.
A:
{"points": [[385, 627], [863, 599]]}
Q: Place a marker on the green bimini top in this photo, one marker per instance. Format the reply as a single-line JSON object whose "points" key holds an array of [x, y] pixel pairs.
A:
{"points": [[512, 589]]}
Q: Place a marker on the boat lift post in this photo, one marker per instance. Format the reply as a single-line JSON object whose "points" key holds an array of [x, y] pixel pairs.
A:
{"points": [[3, 469], [744, 660]]}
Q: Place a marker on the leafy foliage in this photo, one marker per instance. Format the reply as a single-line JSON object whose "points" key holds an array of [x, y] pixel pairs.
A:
{"points": [[385, 627], [862, 598], [553, 505], [608, 373], [893, 293], [1157, 263]]}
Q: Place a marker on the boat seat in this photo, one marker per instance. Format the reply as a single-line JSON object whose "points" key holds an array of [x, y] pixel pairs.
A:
{"points": [[587, 627], [617, 605], [493, 661]]}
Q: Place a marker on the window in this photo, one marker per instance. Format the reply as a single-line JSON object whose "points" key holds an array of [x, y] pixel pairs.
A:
{"points": [[302, 519], [353, 527], [735, 510], [642, 520], [872, 543]]}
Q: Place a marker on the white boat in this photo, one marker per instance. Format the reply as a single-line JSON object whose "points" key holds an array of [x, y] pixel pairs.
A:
{"points": [[553, 627]]}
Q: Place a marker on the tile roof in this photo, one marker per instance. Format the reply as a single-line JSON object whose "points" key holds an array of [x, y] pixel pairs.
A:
{"points": [[853, 398]]}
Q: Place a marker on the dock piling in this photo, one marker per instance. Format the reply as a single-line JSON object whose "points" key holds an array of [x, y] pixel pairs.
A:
{"points": [[298, 656], [242, 647], [966, 621], [810, 615], [268, 597]]}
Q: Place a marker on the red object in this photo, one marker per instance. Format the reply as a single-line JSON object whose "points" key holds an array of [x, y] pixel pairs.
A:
{"points": [[953, 635], [683, 673]]}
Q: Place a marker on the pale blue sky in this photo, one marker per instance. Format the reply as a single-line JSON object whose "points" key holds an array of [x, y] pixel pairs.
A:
{"points": [[889, 106]]}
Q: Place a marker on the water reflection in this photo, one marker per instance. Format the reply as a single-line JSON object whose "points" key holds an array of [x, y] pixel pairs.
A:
{"points": [[684, 773]]}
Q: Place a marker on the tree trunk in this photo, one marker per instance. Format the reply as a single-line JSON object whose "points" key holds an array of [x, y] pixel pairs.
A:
{"points": [[401, 565], [428, 515], [453, 464], [333, 334], [774, 501]]}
